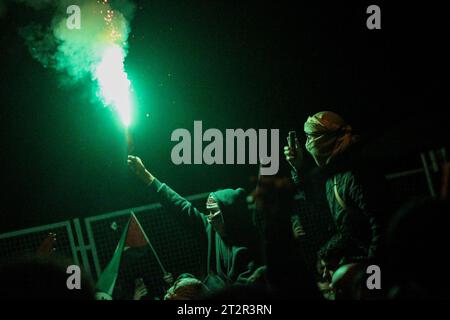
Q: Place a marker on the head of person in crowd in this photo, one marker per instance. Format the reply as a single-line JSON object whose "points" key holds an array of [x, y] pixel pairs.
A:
{"points": [[186, 287], [36, 278], [297, 228], [227, 212], [327, 135], [214, 215], [341, 248], [346, 282], [102, 296], [417, 239]]}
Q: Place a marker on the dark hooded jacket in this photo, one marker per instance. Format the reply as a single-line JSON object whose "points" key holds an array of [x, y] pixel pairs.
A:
{"points": [[230, 260]]}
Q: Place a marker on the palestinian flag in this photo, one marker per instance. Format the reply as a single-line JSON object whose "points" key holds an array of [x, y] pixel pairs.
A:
{"points": [[133, 236]]}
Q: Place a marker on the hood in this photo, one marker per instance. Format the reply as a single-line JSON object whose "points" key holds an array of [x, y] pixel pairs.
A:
{"points": [[236, 215]]}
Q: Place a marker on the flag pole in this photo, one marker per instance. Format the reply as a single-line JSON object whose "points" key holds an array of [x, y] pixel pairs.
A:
{"points": [[150, 244]]}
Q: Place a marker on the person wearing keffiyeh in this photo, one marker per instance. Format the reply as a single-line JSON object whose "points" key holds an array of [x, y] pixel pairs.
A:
{"points": [[357, 196]]}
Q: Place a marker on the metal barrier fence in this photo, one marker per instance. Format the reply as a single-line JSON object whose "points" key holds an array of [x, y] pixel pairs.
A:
{"points": [[177, 244], [91, 244], [19, 244]]}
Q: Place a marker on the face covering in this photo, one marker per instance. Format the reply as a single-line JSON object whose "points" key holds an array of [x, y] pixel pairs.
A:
{"points": [[217, 221], [328, 135]]}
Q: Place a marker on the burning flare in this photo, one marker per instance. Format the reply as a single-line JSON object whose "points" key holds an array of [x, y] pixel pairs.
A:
{"points": [[113, 82]]}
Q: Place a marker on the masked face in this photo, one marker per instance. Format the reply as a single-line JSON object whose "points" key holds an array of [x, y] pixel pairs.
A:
{"points": [[214, 216], [327, 135], [297, 228], [320, 146]]}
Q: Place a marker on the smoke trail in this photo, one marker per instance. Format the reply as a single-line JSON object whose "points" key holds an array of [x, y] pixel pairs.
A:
{"points": [[78, 53]]}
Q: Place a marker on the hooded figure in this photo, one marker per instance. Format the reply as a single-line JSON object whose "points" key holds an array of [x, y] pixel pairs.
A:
{"points": [[227, 228]]}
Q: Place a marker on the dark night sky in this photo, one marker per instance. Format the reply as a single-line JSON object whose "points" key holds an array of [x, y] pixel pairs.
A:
{"points": [[232, 64]]}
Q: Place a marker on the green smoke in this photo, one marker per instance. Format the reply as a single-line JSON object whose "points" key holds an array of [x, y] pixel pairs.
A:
{"points": [[77, 53]]}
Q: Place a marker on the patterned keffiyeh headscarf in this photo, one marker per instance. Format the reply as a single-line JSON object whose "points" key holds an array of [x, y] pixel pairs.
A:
{"points": [[327, 135]]}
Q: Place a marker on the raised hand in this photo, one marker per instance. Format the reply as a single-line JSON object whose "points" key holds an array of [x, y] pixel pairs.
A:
{"points": [[168, 278], [136, 165], [140, 290], [47, 247], [294, 155]]}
